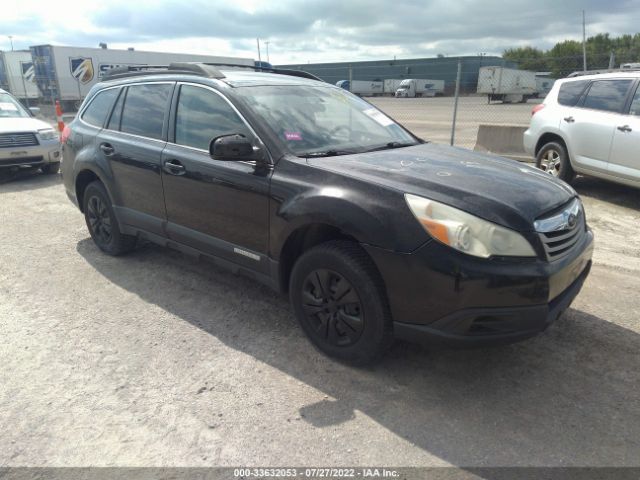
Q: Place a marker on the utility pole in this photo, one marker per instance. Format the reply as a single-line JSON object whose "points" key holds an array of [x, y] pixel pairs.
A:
{"points": [[11, 40], [267, 44], [584, 43], [259, 58]]}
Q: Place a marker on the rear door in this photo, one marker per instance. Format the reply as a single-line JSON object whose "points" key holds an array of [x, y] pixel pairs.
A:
{"points": [[219, 207], [590, 125], [625, 151], [132, 144]]}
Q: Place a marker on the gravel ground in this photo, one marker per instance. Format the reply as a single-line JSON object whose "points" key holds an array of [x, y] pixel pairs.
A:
{"points": [[159, 359]]}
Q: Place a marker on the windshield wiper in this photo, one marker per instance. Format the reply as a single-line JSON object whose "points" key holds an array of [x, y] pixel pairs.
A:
{"points": [[390, 145], [326, 153]]}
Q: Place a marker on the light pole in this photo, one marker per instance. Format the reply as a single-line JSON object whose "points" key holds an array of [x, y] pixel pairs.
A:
{"points": [[11, 40], [267, 44]]}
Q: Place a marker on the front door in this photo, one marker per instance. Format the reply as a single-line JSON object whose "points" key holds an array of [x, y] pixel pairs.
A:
{"points": [[625, 151], [219, 207]]}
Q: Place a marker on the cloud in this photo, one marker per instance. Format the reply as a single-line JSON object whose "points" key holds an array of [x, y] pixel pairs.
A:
{"points": [[316, 30]]}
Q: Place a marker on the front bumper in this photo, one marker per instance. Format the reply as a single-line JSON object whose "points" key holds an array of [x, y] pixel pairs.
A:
{"points": [[439, 296], [46, 152]]}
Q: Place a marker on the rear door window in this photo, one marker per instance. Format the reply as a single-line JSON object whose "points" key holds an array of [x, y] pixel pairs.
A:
{"points": [[607, 95], [570, 92], [145, 108], [96, 113], [114, 121], [635, 103]]}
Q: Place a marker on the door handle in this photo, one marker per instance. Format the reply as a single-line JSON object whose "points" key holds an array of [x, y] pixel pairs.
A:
{"points": [[624, 128], [107, 149], [569, 119], [174, 167]]}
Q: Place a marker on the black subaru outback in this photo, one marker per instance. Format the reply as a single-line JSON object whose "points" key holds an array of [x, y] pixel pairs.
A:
{"points": [[374, 233]]}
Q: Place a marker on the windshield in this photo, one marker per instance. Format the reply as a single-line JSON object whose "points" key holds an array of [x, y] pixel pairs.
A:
{"points": [[324, 120], [9, 107]]}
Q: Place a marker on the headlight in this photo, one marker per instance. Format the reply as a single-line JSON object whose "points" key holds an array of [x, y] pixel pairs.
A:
{"points": [[465, 232], [48, 134]]}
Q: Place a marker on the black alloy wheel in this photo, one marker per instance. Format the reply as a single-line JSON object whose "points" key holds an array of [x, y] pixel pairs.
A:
{"points": [[99, 220], [333, 309]]}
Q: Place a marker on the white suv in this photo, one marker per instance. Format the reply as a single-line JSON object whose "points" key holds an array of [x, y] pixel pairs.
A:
{"points": [[589, 125]]}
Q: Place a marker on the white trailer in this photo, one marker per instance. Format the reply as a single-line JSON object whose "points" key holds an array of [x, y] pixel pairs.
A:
{"points": [[391, 85], [68, 73], [362, 88], [508, 85], [419, 87], [17, 75], [543, 85]]}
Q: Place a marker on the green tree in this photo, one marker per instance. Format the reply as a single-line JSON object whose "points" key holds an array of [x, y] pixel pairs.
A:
{"points": [[527, 58]]}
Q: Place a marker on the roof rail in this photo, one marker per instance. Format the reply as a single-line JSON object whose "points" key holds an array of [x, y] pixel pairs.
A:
{"points": [[196, 68], [600, 72], [199, 69]]}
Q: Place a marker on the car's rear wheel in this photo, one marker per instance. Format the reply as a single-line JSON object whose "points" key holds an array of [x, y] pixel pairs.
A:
{"points": [[553, 159], [340, 301], [102, 223], [51, 168]]}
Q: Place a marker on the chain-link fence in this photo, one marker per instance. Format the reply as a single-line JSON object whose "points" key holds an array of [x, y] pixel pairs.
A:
{"points": [[446, 100]]}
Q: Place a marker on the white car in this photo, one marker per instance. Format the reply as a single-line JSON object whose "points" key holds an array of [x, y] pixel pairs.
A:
{"points": [[24, 140], [589, 125]]}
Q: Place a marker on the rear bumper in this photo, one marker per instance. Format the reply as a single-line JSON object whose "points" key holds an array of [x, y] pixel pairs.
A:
{"points": [[438, 295], [529, 143]]}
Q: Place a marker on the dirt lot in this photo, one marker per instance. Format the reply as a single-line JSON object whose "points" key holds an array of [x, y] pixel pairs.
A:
{"points": [[158, 359], [430, 118]]}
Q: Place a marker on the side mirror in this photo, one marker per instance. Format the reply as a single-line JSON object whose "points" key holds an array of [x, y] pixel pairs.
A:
{"points": [[34, 110], [233, 147]]}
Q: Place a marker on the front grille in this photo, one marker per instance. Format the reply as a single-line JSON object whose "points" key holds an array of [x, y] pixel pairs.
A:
{"points": [[562, 231], [13, 140]]}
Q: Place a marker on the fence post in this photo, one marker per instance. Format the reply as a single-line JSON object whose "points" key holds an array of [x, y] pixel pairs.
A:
{"points": [[455, 103]]}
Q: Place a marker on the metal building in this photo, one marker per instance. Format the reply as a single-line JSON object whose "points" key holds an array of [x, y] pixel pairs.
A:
{"points": [[440, 68]]}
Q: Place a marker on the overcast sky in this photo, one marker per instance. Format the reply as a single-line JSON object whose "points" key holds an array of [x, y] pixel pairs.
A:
{"points": [[312, 30]]}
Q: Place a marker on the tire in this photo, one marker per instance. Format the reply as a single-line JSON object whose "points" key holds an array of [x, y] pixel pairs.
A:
{"points": [[554, 159], [102, 223], [352, 320], [51, 168]]}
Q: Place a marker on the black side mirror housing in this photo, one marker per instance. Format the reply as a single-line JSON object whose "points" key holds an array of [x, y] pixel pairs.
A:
{"points": [[234, 147]]}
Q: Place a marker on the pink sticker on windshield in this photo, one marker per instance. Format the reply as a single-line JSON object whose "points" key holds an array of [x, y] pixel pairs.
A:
{"points": [[292, 136]]}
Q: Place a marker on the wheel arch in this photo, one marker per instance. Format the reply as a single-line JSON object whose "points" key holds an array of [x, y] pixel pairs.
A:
{"points": [[83, 179]]}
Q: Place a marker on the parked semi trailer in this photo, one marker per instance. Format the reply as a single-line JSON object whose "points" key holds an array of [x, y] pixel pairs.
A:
{"points": [[390, 86], [17, 75], [419, 87], [508, 85], [363, 88], [68, 73]]}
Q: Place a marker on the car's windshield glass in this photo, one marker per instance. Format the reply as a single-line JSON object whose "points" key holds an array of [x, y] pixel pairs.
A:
{"points": [[324, 120], [9, 107]]}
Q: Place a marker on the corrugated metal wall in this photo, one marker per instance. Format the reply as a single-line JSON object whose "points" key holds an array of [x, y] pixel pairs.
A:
{"points": [[432, 68]]}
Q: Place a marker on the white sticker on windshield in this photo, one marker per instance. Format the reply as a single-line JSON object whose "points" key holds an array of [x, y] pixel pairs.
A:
{"points": [[8, 106], [378, 116]]}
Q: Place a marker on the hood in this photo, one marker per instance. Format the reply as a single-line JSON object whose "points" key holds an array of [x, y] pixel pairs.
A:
{"points": [[499, 190], [22, 124]]}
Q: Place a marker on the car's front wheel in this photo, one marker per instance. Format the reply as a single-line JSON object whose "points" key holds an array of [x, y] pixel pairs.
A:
{"points": [[102, 223], [553, 159], [340, 301]]}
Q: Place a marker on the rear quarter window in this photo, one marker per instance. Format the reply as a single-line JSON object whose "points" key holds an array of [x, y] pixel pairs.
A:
{"points": [[96, 113], [570, 92]]}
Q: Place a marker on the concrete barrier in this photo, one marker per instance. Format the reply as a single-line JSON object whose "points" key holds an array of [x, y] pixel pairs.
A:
{"points": [[503, 140]]}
